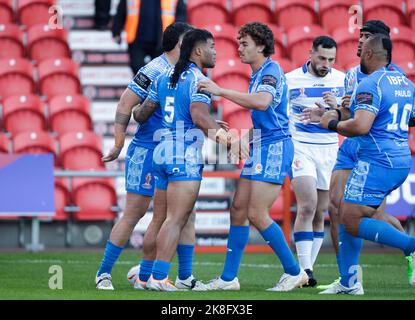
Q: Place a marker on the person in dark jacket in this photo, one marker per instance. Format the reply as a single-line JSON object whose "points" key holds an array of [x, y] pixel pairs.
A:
{"points": [[144, 22]]}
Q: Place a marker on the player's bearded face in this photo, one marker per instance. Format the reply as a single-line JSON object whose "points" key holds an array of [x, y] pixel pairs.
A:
{"points": [[322, 61]]}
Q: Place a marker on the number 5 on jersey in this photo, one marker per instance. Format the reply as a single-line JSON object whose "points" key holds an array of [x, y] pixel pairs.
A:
{"points": [[169, 110]]}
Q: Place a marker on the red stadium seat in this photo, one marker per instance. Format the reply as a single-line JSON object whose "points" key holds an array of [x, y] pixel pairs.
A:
{"points": [[31, 12], [388, 11], [24, 113], [411, 13], [44, 43], [300, 41], [409, 68], [6, 11], [347, 40], [293, 13], [244, 11], [287, 65], [4, 144], [229, 107], [16, 77], [69, 113], [239, 119], [11, 41], [411, 140], [352, 64], [81, 151], [225, 40], [403, 39], [279, 42], [34, 142], [59, 76], [94, 197], [62, 199], [204, 12], [335, 14], [232, 74]]}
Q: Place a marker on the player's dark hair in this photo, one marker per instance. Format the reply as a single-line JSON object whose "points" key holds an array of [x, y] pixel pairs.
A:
{"points": [[172, 35], [325, 42], [190, 40], [375, 26], [261, 34], [380, 40]]}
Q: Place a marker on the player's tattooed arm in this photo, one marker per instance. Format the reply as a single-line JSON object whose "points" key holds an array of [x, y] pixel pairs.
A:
{"points": [[144, 111], [122, 117]]}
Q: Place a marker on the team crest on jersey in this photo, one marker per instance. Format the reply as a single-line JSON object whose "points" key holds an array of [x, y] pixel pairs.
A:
{"points": [[296, 163], [147, 184], [335, 91], [258, 168], [302, 93]]}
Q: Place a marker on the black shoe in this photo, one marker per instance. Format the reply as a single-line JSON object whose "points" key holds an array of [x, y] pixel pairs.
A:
{"points": [[312, 282]]}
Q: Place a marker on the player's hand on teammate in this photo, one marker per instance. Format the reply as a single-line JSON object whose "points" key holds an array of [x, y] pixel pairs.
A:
{"points": [[327, 117], [310, 115], [239, 150], [112, 155], [330, 99], [209, 86], [346, 101], [224, 125]]}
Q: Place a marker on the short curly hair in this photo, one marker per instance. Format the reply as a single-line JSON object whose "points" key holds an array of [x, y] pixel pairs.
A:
{"points": [[261, 34]]}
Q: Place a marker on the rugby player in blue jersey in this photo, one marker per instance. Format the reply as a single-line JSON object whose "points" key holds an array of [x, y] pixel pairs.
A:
{"points": [[177, 160], [380, 110], [347, 154], [269, 163], [139, 180]]}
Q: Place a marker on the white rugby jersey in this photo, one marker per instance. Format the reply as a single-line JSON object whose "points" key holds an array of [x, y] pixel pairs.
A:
{"points": [[304, 90]]}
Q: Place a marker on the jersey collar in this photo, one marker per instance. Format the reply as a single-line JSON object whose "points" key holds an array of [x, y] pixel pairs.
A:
{"points": [[263, 66]]}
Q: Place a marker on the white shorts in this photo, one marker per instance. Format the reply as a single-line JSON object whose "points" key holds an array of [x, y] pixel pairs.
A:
{"points": [[314, 161]]}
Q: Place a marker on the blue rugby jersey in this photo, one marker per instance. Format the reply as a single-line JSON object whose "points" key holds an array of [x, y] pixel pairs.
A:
{"points": [[140, 85], [390, 96], [273, 122], [175, 104]]}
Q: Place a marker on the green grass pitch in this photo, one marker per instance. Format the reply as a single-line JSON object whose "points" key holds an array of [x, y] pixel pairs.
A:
{"points": [[26, 276]]}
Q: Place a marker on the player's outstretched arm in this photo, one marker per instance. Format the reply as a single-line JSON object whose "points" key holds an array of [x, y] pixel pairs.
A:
{"points": [[257, 101], [122, 117], [144, 111], [357, 126]]}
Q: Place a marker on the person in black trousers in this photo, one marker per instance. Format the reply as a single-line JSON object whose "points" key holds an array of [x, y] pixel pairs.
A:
{"points": [[102, 14]]}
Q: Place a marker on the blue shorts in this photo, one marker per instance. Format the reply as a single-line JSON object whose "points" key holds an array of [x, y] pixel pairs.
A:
{"points": [[347, 155], [271, 163], [183, 166], [369, 184], [139, 170]]}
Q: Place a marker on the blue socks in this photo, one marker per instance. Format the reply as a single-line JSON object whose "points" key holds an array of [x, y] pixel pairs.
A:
{"points": [[349, 251], [237, 240], [382, 232], [160, 269], [274, 236], [146, 266], [185, 257], [111, 254]]}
